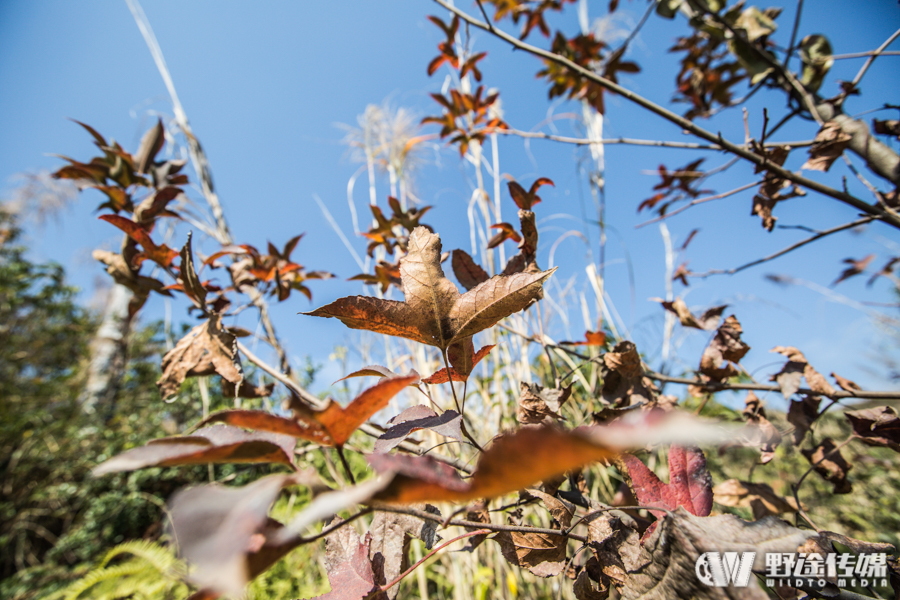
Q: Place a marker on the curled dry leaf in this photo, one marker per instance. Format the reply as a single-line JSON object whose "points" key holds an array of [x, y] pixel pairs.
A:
{"points": [[690, 484], [876, 426], [434, 312], [727, 347], [378, 371], [537, 405], [583, 588], [709, 320], [764, 435], [624, 383], [447, 424], [542, 554], [506, 232], [225, 533], [846, 385], [525, 200], [827, 461], [788, 378], [759, 497], [802, 414], [828, 145], [467, 271], [669, 555], [188, 276], [217, 444], [208, 348]]}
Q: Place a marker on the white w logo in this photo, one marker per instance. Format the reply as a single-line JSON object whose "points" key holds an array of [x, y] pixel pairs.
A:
{"points": [[720, 570]]}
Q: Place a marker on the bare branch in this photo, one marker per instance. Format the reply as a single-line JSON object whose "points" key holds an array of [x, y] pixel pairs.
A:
{"points": [[701, 201], [679, 120], [632, 141], [784, 251], [872, 58]]}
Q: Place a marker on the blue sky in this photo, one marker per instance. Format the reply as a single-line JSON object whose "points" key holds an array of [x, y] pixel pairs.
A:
{"points": [[264, 85]]}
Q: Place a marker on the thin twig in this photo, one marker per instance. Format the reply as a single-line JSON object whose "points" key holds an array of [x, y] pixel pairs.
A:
{"points": [[865, 54], [718, 387], [632, 141], [791, 46], [400, 577], [678, 120], [872, 58], [345, 464], [784, 251]]}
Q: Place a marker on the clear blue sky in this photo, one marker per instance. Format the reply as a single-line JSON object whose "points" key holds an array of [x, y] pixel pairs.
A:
{"points": [[265, 83]]}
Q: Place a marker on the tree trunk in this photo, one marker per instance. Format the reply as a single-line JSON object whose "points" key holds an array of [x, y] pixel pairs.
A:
{"points": [[108, 353]]}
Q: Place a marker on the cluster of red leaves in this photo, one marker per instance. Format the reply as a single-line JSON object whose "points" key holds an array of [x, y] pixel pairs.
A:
{"points": [[466, 117], [531, 13], [675, 186]]}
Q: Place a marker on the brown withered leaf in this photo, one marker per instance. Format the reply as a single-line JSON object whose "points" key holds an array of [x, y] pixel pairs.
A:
{"points": [[788, 378], [583, 588], [846, 384], [225, 533], [828, 145], [188, 276], [207, 349], [623, 377], [151, 143], [467, 271], [709, 320], [477, 513], [830, 464], [434, 312], [447, 424], [542, 554], [725, 346], [876, 426], [390, 535], [514, 265], [216, 444], [763, 207], [670, 554], [614, 538], [347, 565], [690, 484], [246, 390], [759, 497], [536, 404], [858, 546], [801, 415], [764, 435]]}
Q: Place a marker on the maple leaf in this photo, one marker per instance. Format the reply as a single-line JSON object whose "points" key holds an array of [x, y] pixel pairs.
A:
{"points": [[435, 313], [331, 426], [208, 348], [690, 484], [217, 444]]}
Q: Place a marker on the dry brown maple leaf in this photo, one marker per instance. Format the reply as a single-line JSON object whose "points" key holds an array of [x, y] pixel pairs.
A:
{"points": [[208, 348], [435, 313], [759, 497]]}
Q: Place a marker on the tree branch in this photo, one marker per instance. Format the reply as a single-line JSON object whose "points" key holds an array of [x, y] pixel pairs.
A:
{"points": [[872, 58], [632, 141], [682, 122], [701, 201], [784, 251]]}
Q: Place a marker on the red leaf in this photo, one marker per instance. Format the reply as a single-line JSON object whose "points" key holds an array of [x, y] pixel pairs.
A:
{"points": [[690, 484]]}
